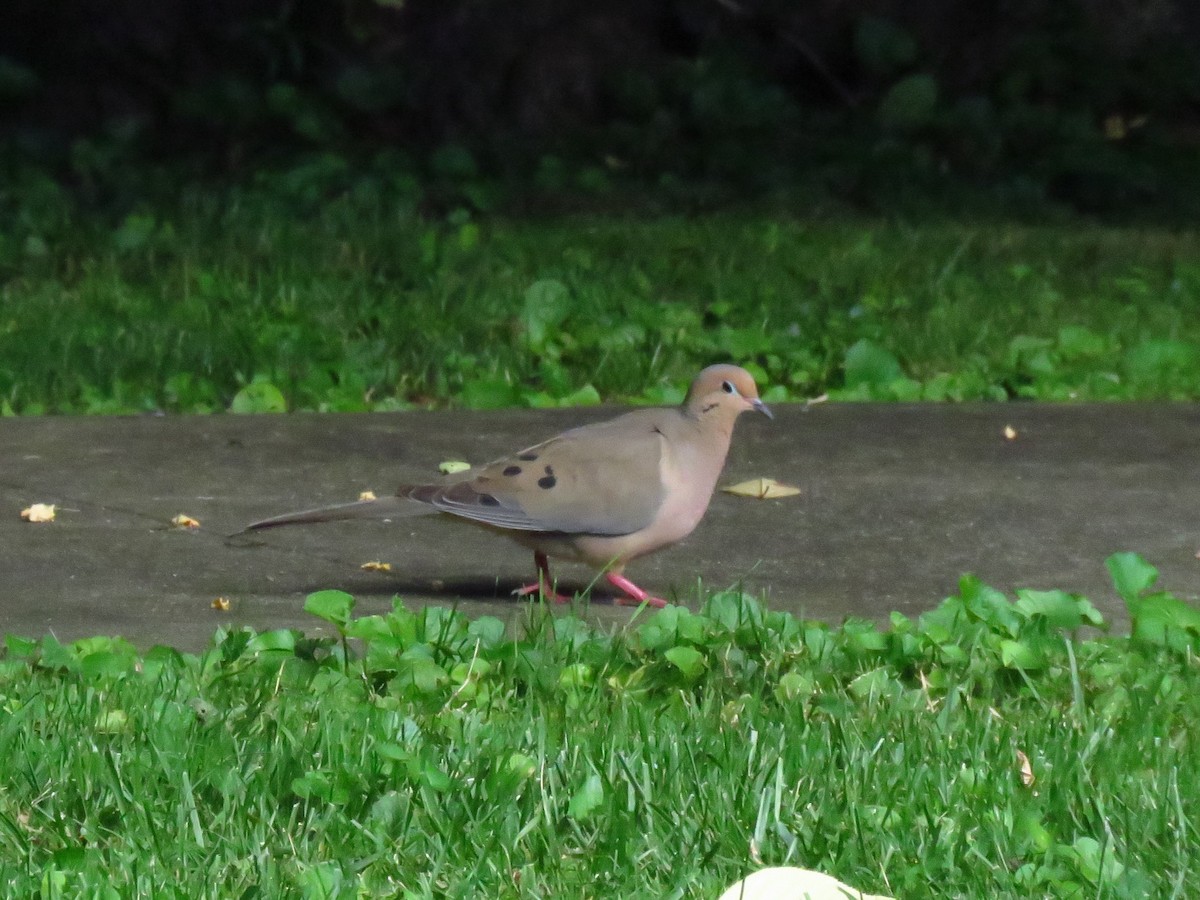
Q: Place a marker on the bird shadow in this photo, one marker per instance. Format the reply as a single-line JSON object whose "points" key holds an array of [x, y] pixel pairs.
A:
{"points": [[379, 584]]}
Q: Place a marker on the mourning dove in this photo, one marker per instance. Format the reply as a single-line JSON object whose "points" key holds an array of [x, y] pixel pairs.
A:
{"points": [[602, 494]]}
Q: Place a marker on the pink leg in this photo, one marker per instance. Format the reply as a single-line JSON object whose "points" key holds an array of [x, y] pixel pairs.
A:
{"points": [[544, 585], [634, 595]]}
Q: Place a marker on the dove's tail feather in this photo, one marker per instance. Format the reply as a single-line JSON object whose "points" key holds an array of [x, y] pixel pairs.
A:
{"points": [[381, 508]]}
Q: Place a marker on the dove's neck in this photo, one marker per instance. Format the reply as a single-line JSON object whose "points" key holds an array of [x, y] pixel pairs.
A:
{"points": [[707, 449]]}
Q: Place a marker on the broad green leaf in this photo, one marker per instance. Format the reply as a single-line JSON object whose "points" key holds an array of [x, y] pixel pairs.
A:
{"points": [[258, 397], [733, 609], [112, 721], [56, 656], [587, 799], [688, 660], [520, 764], [487, 629], [871, 365], [1165, 621], [875, 683], [576, 675], [320, 881], [1061, 610], [369, 628], [1076, 342], [440, 623], [280, 639], [420, 672], [1021, 655], [1097, 862], [312, 784], [334, 607], [105, 663], [1030, 829], [584, 396], [795, 686], [19, 647], [1157, 360], [433, 777], [862, 635], [473, 668], [1131, 574]]}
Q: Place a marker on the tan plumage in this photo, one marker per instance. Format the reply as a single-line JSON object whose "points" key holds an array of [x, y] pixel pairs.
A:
{"points": [[602, 494]]}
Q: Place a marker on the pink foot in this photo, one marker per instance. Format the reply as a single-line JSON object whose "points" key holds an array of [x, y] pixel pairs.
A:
{"points": [[633, 595], [544, 590], [544, 586]]}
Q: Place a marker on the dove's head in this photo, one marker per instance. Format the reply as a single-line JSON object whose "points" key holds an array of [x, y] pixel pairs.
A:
{"points": [[727, 389]]}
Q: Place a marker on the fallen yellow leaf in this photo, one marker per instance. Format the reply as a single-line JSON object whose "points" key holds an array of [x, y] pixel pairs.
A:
{"points": [[367, 495], [1010, 433], [39, 512], [222, 604], [1027, 778], [762, 489], [376, 566], [182, 521], [453, 466]]}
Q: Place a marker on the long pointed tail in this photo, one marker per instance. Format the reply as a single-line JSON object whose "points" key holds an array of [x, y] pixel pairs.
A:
{"points": [[382, 508]]}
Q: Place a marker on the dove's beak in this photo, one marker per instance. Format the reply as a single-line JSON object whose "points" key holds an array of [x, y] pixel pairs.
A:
{"points": [[758, 406]]}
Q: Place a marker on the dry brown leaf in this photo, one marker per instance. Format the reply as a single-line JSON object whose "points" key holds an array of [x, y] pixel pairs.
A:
{"points": [[222, 604], [367, 495], [1027, 778], [762, 489], [39, 512], [1010, 433], [376, 566], [184, 521]]}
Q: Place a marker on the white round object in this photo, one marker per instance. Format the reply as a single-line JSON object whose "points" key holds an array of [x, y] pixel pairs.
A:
{"points": [[791, 883]]}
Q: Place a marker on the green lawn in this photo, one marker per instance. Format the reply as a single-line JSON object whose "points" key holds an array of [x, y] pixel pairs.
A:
{"points": [[981, 751], [355, 304]]}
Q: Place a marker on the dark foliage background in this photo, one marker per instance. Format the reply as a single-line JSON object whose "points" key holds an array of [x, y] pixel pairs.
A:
{"points": [[1091, 102]]}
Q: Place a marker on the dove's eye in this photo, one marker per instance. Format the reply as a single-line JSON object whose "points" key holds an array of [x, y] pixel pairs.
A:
{"points": [[727, 387]]}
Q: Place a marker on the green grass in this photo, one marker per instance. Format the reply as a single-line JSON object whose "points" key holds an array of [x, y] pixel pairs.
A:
{"points": [[448, 759], [354, 303]]}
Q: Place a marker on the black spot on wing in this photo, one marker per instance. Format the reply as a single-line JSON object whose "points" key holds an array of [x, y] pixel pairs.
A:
{"points": [[547, 482], [488, 500], [512, 470], [527, 457]]}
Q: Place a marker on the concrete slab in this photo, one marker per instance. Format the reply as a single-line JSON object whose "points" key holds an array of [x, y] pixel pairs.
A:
{"points": [[898, 502]]}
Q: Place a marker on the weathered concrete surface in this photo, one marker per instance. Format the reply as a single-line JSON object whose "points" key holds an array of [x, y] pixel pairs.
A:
{"points": [[898, 502]]}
